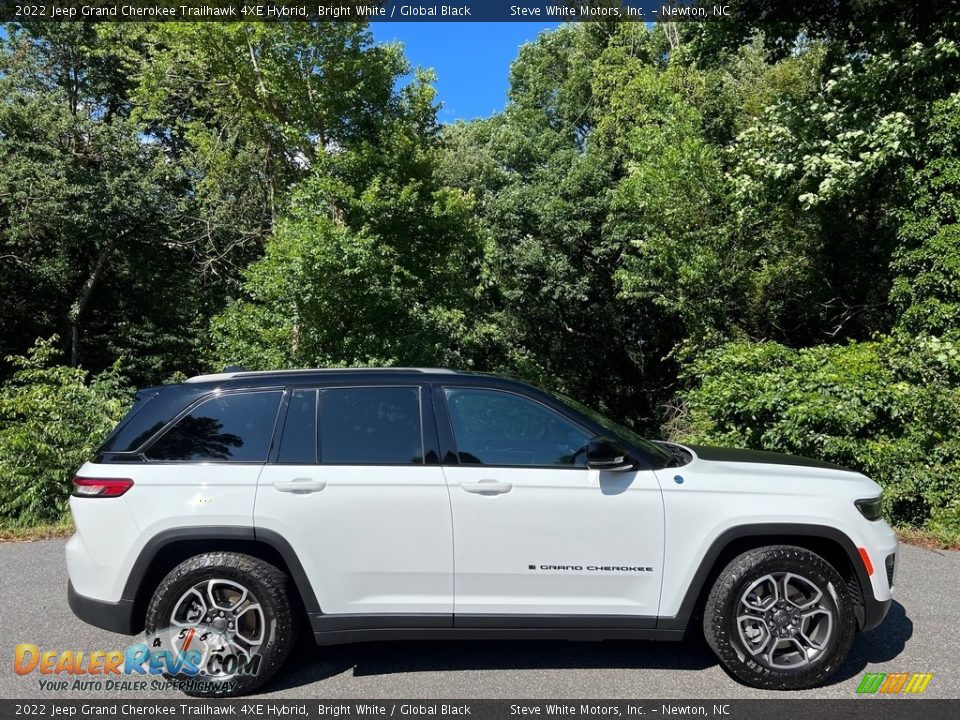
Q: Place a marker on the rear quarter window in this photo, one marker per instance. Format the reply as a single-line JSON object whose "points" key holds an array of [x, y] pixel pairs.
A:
{"points": [[152, 409], [235, 427]]}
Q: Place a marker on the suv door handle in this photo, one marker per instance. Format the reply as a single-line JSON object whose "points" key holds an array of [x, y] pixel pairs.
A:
{"points": [[300, 485], [487, 487]]}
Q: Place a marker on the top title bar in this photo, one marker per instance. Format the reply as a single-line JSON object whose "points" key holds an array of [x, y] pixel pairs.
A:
{"points": [[476, 11]]}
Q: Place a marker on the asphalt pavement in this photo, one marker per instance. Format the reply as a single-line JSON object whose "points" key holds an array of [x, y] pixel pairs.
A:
{"points": [[920, 634]]}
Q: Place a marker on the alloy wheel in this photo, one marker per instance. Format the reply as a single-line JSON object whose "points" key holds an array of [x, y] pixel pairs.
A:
{"points": [[219, 617], [784, 620]]}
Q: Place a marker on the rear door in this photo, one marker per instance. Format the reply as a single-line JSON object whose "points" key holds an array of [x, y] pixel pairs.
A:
{"points": [[537, 533], [356, 488], [203, 469]]}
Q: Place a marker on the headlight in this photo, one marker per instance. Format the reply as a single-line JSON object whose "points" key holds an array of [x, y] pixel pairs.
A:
{"points": [[870, 508]]}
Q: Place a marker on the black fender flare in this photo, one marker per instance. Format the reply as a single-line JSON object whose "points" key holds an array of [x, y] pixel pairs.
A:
{"points": [[723, 541], [228, 534]]}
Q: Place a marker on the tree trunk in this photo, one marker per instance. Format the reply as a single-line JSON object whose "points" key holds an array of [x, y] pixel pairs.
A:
{"points": [[85, 294]]}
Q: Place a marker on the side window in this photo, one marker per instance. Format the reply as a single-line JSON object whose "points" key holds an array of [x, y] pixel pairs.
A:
{"points": [[363, 425], [234, 427], [299, 442], [500, 428]]}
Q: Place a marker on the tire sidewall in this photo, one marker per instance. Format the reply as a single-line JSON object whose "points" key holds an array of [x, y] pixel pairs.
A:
{"points": [[720, 622], [275, 646]]}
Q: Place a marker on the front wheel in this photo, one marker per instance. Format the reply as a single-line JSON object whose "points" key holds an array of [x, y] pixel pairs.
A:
{"points": [[220, 624], [780, 618]]}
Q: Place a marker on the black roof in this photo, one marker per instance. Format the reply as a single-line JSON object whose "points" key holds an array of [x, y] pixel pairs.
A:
{"points": [[155, 407]]}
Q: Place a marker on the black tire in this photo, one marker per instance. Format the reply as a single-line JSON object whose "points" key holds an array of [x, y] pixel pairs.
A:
{"points": [[741, 647], [264, 583]]}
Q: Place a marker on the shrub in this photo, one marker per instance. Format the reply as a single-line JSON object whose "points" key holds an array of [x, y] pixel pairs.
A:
{"points": [[888, 408], [51, 418]]}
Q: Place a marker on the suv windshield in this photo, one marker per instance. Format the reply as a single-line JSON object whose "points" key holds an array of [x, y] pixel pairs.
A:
{"points": [[617, 430]]}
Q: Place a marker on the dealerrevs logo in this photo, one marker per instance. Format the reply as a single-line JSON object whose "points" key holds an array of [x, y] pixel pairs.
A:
{"points": [[196, 658]]}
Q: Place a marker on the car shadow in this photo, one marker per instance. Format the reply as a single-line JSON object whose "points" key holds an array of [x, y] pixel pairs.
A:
{"points": [[882, 644], [309, 663]]}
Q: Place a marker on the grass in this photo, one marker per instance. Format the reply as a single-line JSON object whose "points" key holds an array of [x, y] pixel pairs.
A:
{"points": [[927, 539], [62, 529]]}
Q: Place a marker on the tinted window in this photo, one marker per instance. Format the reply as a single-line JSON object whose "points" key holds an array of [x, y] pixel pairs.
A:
{"points": [[299, 443], [158, 407], [655, 453], [228, 427], [499, 428], [370, 425]]}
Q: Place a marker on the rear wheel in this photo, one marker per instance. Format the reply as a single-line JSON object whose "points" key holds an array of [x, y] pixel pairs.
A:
{"points": [[226, 615], [780, 617]]}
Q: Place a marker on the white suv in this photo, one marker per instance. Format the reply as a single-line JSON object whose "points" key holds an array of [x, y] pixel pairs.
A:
{"points": [[223, 513]]}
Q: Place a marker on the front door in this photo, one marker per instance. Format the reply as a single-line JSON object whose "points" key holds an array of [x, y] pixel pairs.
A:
{"points": [[536, 532]]}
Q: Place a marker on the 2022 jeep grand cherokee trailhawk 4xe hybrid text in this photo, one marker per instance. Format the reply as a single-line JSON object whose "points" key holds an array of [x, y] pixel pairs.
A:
{"points": [[225, 512]]}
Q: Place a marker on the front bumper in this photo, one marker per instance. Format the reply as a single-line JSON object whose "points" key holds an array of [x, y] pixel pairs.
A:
{"points": [[874, 611], [113, 616], [880, 543]]}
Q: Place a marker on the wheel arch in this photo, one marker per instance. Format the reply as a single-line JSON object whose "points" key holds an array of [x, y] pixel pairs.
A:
{"points": [[831, 544], [167, 549]]}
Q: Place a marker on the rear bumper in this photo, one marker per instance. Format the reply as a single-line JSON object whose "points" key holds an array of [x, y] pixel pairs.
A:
{"points": [[113, 616]]}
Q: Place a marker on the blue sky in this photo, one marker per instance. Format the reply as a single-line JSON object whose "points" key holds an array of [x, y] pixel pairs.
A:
{"points": [[471, 60]]}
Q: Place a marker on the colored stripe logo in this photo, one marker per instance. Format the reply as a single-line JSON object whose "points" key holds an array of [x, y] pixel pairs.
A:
{"points": [[894, 683]]}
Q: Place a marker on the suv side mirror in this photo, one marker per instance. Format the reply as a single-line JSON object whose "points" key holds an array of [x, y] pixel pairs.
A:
{"points": [[606, 454]]}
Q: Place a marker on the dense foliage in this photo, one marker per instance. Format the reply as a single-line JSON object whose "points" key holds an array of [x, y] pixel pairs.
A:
{"points": [[741, 234], [888, 407], [51, 418]]}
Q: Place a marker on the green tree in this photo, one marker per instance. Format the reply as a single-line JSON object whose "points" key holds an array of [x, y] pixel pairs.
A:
{"points": [[926, 287], [676, 270], [864, 172], [143, 166], [244, 111], [82, 202], [544, 186], [376, 261]]}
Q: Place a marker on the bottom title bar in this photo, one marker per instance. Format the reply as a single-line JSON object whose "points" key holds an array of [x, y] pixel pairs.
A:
{"points": [[872, 709]]}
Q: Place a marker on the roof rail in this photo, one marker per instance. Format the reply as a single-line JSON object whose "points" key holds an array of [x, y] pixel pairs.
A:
{"points": [[232, 373]]}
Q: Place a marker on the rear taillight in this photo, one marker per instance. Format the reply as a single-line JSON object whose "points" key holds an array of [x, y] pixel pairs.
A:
{"points": [[100, 487]]}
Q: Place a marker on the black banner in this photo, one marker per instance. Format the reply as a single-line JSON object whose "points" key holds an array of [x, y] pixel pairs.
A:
{"points": [[868, 708], [832, 11]]}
